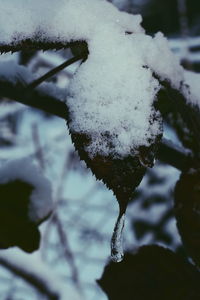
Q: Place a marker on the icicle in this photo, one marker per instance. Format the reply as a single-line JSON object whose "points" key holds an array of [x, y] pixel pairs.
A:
{"points": [[117, 252]]}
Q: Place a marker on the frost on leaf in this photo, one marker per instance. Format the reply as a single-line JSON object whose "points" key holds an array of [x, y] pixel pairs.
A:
{"points": [[25, 201]]}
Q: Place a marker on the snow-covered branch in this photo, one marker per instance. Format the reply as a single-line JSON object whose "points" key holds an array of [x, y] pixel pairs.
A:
{"points": [[14, 81], [40, 25], [37, 274], [50, 99]]}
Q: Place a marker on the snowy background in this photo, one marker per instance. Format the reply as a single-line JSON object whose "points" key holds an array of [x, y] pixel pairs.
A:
{"points": [[76, 242]]}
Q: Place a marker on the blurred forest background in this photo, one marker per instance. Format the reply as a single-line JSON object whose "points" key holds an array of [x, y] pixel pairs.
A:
{"points": [[76, 240]]}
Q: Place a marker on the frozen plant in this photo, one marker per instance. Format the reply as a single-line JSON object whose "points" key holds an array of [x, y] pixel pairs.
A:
{"points": [[115, 100]]}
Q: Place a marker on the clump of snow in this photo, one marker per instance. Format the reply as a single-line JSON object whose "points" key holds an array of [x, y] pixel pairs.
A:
{"points": [[41, 198], [159, 58], [112, 94]]}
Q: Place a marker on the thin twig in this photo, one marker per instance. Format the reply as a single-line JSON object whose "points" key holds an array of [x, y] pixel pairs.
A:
{"points": [[67, 251], [54, 71], [29, 275], [174, 156], [55, 218], [34, 44], [37, 144]]}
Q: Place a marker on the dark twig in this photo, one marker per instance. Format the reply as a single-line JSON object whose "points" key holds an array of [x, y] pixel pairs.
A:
{"points": [[34, 43], [174, 156], [54, 71], [67, 251], [171, 100], [38, 148], [36, 98]]}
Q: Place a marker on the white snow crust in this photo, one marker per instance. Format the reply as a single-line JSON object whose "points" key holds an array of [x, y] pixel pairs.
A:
{"points": [[61, 20], [41, 198]]}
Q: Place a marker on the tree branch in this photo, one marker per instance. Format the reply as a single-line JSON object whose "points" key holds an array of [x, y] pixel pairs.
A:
{"points": [[54, 71], [34, 44], [185, 117], [39, 98], [174, 156], [36, 273], [36, 98]]}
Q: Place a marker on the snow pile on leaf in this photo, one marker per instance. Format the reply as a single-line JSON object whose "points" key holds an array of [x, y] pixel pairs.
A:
{"points": [[111, 97], [41, 203]]}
